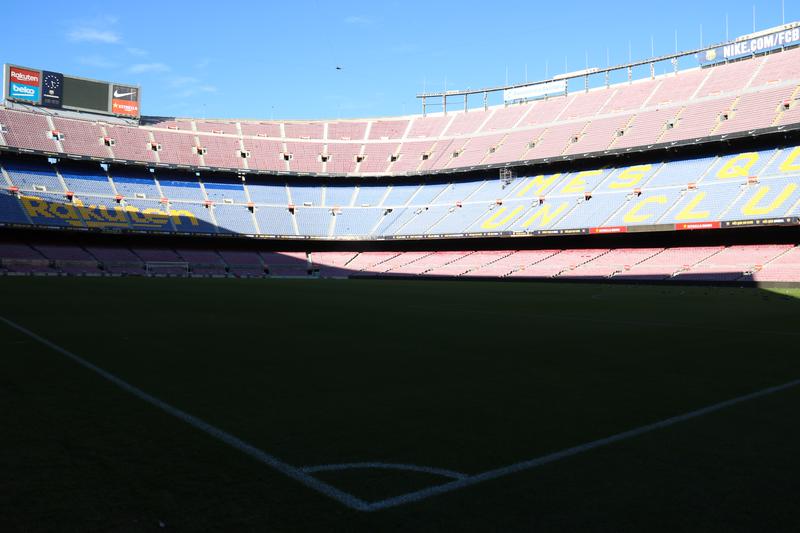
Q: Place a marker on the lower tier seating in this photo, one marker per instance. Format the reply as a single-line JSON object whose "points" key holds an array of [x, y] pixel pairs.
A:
{"points": [[754, 262]]}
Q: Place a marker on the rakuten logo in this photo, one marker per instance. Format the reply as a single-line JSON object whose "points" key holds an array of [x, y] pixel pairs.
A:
{"points": [[25, 76]]}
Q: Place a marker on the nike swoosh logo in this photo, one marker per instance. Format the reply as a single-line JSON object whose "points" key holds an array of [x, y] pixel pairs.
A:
{"points": [[122, 95]]}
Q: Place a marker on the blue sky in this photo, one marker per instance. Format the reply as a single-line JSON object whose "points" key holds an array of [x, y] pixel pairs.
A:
{"points": [[263, 59]]}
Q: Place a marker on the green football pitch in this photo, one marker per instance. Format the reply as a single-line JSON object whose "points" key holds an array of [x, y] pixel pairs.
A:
{"points": [[363, 405]]}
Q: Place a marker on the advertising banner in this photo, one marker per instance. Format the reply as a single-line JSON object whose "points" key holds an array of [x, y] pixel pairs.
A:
{"points": [[784, 221], [608, 229], [535, 91], [750, 46], [52, 89], [24, 84], [125, 100], [697, 225]]}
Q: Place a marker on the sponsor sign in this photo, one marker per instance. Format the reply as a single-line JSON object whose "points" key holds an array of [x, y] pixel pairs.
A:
{"points": [[125, 100], [576, 231], [535, 91], [18, 91], [608, 229], [749, 46], [697, 225], [52, 89], [25, 76], [79, 215], [24, 84], [758, 222]]}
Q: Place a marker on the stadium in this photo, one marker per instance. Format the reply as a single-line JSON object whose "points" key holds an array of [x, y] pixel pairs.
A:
{"points": [[564, 304]]}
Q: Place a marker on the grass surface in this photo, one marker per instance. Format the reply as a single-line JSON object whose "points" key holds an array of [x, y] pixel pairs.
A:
{"points": [[461, 376]]}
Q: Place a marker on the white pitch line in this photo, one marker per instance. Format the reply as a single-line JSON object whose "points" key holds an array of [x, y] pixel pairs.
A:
{"points": [[271, 461], [353, 502], [575, 450], [386, 466]]}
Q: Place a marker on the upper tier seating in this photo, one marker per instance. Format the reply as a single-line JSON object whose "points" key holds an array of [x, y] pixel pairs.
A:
{"points": [[685, 106]]}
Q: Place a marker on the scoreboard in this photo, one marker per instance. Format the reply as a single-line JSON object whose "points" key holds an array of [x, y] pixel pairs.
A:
{"points": [[61, 91]]}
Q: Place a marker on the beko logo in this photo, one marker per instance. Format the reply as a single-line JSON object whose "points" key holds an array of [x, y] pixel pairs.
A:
{"points": [[22, 90], [118, 94], [23, 77]]}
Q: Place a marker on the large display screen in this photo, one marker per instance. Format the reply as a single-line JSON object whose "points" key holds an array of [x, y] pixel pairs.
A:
{"points": [[56, 90], [85, 94]]}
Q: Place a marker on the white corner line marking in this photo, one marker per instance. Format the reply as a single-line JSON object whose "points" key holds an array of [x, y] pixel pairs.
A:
{"points": [[461, 481], [271, 461], [575, 450], [385, 466]]}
